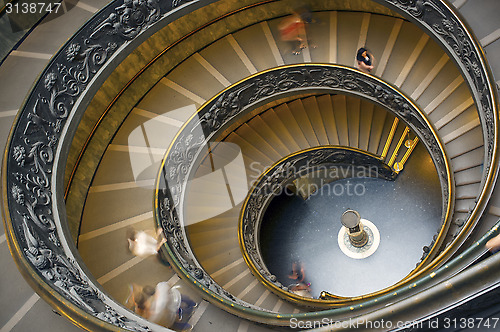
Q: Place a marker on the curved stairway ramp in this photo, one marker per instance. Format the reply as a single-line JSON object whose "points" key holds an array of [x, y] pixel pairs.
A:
{"points": [[464, 132], [179, 92], [252, 148], [437, 87], [486, 31]]}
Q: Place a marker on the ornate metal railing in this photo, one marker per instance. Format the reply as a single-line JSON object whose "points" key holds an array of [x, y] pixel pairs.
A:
{"points": [[33, 165], [35, 155]]}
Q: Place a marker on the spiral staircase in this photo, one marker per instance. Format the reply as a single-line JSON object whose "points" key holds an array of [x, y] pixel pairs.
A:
{"points": [[110, 175]]}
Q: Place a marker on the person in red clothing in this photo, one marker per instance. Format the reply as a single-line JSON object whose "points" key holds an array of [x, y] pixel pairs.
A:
{"points": [[299, 285], [292, 30]]}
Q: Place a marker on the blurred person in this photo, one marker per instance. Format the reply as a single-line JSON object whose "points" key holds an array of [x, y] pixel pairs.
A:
{"points": [[301, 289], [299, 286], [162, 305], [307, 18], [143, 243], [298, 273], [292, 30], [493, 244]]}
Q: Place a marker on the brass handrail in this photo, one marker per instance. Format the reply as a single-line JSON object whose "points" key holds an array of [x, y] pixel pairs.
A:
{"points": [[390, 138]]}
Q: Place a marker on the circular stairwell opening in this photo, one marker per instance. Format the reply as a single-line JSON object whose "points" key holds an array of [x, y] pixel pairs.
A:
{"points": [[298, 233]]}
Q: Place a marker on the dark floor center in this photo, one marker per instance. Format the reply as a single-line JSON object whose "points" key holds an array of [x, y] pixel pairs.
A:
{"points": [[407, 213]]}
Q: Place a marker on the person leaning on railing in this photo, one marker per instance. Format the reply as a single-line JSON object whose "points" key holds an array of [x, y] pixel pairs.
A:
{"points": [[493, 244]]}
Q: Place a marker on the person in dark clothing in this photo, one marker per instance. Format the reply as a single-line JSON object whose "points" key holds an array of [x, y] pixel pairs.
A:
{"points": [[365, 60]]}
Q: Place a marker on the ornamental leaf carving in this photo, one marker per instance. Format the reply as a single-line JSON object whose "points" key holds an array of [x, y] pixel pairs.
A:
{"points": [[37, 135], [129, 19]]}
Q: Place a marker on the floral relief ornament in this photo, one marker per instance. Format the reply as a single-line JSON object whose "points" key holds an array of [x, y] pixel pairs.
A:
{"points": [[129, 19]]}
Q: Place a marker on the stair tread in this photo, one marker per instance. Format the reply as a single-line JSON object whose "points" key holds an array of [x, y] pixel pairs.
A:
{"points": [[143, 132], [424, 64], [467, 142], [284, 113], [205, 85], [378, 37], [259, 125], [299, 113], [133, 166], [379, 119], [467, 116], [471, 175], [106, 208], [249, 150], [213, 236], [353, 120], [229, 65], [272, 117], [467, 190], [328, 115], [254, 138], [443, 79], [319, 37], [314, 114], [212, 224], [340, 109], [348, 32]]}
